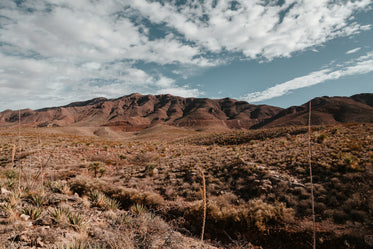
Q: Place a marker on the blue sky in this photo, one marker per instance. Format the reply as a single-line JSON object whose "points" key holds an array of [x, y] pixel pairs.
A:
{"points": [[53, 52]]}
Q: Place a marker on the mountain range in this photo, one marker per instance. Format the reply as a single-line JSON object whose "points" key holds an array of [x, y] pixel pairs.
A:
{"points": [[136, 112]]}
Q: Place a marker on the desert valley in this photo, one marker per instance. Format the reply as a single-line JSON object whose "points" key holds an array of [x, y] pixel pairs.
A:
{"points": [[139, 171]]}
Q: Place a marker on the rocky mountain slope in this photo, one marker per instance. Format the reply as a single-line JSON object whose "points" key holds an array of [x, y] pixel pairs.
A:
{"points": [[325, 110], [136, 111]]}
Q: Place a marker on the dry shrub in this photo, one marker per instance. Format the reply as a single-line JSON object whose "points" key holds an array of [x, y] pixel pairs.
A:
{"points": [[261, 214], [144, 158], [100, 200], [129, 196], [119, 240], [59, 187], [225, 199], [85, 185], [103, 157], [137, 228], [257, 215], [126, 196], [150, 231]]}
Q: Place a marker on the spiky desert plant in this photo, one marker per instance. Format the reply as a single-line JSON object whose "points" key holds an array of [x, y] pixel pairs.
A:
{"points": [[38, 200], [100, 200], [33, 212], [138, 209], [13, 199], [8, 209], [112, 204], [77, 220], [59, 213]]}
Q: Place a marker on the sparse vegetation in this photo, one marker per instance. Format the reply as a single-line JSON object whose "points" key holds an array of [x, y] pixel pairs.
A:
{"points": [[150, 193]]}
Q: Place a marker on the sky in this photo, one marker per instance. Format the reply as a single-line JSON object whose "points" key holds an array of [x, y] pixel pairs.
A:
{"points": [[282, 53]]}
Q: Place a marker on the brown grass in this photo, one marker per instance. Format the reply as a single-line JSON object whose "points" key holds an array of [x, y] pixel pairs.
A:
{"points": [[256, 183]]}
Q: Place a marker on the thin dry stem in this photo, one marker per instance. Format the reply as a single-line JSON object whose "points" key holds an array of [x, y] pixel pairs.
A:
{"points": [[310, 166], [204, 203], [13, 153], [19, 145]]}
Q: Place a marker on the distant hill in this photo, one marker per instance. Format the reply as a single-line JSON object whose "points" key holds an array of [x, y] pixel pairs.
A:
{"points": [[325, 110], [136, 111]]}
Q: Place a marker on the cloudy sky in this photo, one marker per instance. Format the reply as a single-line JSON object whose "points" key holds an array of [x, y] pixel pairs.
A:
{"points": [[284, 52]]}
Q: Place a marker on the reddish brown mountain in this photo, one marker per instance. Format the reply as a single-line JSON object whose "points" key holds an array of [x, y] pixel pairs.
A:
{"points": [[136, 111], [325, 110]]}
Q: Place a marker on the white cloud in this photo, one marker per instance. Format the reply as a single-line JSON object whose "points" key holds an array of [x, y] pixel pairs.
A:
{"points": [[352, 51], [256, 28], [102, 30], [58, 51], [88, 30], [361, 65], [184, 91], [53, 82]]}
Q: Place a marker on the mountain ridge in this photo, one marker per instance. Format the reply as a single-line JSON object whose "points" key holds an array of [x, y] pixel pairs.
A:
{"points": [[136, 112]]}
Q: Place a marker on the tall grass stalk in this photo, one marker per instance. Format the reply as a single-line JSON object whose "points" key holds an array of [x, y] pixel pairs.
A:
{"points": [[19, 147], [310, 167], [204, 203], [13, 153]]}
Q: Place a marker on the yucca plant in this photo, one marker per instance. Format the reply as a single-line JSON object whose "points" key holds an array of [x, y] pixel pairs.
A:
{"points": [[76, 219], [100, 200], [33, 212], [59, 213], [112, 204], [38, 200], [8, 208], [13, 199], [138, 209]]}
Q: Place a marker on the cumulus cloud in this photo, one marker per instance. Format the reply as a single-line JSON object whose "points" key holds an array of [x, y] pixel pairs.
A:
{"points": [[93, 32], [23, 80], [60, 50], [361, 65], [257, 28]]}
